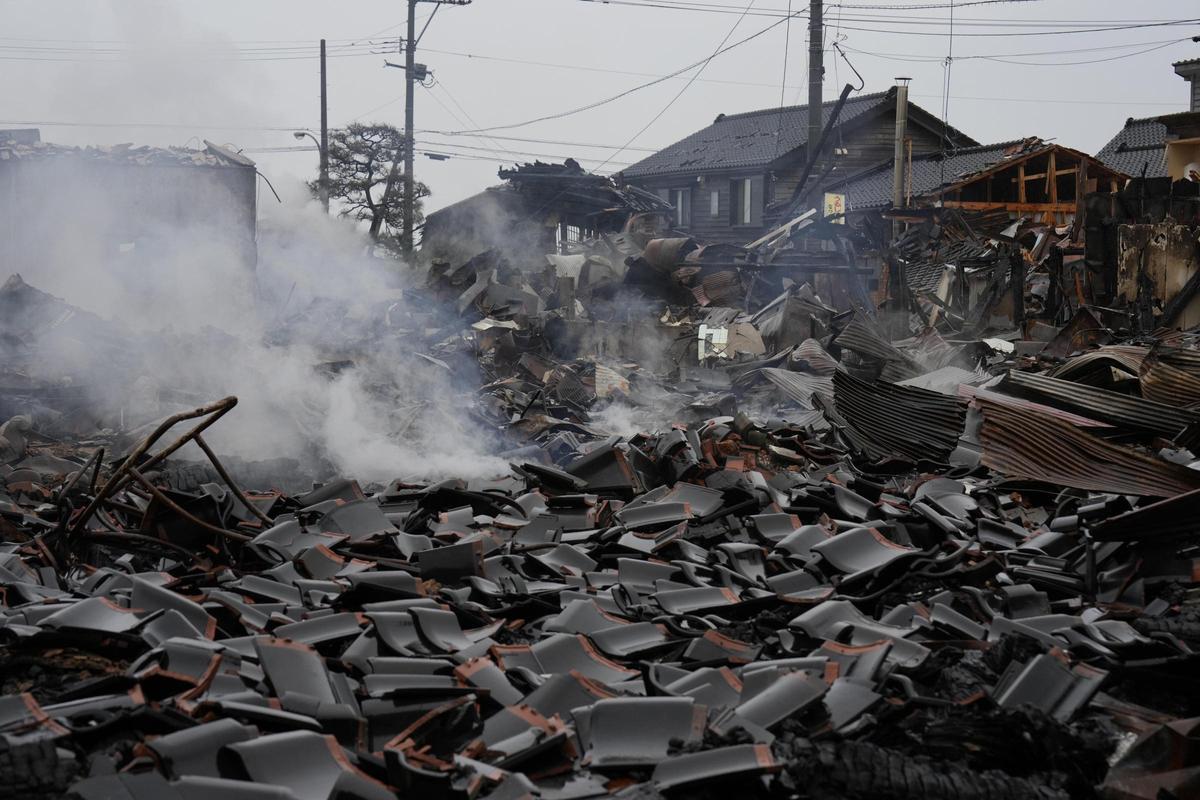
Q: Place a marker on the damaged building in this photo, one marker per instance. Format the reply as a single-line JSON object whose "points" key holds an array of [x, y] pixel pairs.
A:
{"points": [[540, 208], [722, 180], [893, 501], [125, 207]]}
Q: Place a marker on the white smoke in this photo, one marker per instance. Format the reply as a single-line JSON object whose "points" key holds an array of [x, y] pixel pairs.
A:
{"points": [[203, 327]]}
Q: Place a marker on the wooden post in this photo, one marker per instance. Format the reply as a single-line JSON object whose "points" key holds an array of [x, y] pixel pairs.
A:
{"points": [[566, 296], [1021, 182], [1080, 199], [1052, 187], [1054, 266], [1017, 263]]}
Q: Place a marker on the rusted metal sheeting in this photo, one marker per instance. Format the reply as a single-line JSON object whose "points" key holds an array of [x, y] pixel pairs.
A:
{"points": [[1171, 376], [666, 254], [969, 392], [1124, 357], [1131, 413], [1175, 516], [1024, 444], [885, 420]]}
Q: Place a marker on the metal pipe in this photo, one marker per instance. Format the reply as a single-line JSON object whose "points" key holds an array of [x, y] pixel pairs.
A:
{"points": [[209, 414], [898, 150], [816, 71], [233, 487]]}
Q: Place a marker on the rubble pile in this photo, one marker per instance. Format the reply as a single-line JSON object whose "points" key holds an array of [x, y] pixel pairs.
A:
{"points": [[754, 547]]}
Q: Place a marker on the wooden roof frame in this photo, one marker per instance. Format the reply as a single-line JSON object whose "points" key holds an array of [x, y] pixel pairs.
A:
{"points": [[1096, 168]]}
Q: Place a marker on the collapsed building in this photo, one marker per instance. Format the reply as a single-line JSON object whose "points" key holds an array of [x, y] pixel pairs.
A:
{"points": [[887, 509], [540, 208]]}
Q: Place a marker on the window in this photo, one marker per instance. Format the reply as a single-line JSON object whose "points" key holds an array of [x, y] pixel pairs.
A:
{"points": [[682, 200], [714, 203], [741, 205]]}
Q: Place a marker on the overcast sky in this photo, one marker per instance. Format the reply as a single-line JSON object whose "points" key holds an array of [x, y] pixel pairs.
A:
{"points": [[245, 73]]}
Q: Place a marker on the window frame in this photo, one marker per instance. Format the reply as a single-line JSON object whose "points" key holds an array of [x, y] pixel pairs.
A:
{"points": [[741, 202], [681, 198]]}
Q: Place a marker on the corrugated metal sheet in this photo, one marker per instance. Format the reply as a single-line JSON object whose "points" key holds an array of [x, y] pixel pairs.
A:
{"points": [[883, 420], [1025, 444], [1123, 411], [799, 386], [1175, 516], [859, 338], [1028, 405], [1125, 357], [946, 380], [818, 360], [1172, 377]]}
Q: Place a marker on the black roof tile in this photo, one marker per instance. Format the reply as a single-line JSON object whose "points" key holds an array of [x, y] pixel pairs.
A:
{"points": [[1142, 142], [750, 139]]}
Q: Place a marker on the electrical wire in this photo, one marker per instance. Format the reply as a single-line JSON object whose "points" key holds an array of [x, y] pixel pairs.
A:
{"points": [[946, 103], [1076, 63], [787, 41], [687, 85], [469, 120], [721, 8], [891, 22], [800, 87], [438, 148], [630, 91]]}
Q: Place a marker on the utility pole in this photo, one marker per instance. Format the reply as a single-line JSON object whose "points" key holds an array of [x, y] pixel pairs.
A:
{"points": [[324, 135], [816, 71], [410, 189], [410, 79]]}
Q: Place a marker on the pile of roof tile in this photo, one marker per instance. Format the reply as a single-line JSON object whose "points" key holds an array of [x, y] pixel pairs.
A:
{"points": [[841, 567]]}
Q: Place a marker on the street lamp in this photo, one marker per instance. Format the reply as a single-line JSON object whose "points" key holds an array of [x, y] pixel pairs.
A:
{"points": [[323, 181]]}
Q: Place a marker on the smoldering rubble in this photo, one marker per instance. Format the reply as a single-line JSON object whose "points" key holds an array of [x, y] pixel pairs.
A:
{"points": [[765, 520]]}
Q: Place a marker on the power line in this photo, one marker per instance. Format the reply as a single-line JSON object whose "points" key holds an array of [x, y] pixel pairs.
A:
{"points": [[292, 129], [917, 58], [686, 86], [1069, 28], [1075, 63], [447, 148], [174, 125], [787, 42], [628, 92], [460, 120], [763, 84]]}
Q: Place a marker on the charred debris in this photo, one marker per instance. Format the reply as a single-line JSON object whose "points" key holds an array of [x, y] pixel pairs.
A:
{"points": [[830, 515]]}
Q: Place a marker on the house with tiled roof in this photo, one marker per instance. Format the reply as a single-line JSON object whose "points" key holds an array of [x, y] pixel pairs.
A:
{"points": [[1140, 148], [723, 178]]}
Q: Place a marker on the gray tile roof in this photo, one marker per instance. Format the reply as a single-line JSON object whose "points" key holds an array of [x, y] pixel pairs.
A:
{"points": [[1142, 142], [751, 139], [873, 189]]}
